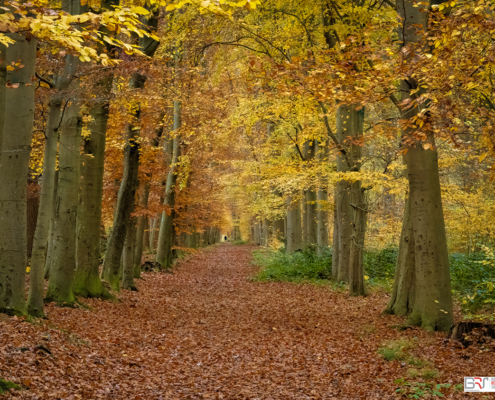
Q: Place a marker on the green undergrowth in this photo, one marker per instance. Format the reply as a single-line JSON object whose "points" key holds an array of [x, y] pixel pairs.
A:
{"points": [[6, 386], [240, 242], [421, 380], [473, 276], [301, 266]]}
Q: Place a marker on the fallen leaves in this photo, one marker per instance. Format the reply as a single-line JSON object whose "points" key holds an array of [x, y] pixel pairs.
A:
{"points": [[207, 331]]}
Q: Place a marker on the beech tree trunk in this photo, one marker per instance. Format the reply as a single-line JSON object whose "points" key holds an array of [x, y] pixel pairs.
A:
{"points": [[141, 225], [335, 244], [359, 209], [310, 219], [294, 231], [431, 304], [63, 263], [166, 236], [41, 235], [128, 256], [87, 282], [404, 289], [16, 129], [322, 197], [349, 129], [51, 231], [125, 206]]}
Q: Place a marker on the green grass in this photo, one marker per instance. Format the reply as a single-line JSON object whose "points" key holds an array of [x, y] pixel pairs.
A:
{"points": [[5, 386], [396, 350]]}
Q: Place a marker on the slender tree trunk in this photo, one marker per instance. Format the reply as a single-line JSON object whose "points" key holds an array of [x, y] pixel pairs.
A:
{"points": [[356, 281], [294, 231], [310, 219], [138, 253], [51, 230], [146, 236], [60, 284], [165, 238], [87, 282], [128, 256], [336, 240], [41, 235], [321, 211], [304, 219], [16, 129], [349, 128], [152, 234]]}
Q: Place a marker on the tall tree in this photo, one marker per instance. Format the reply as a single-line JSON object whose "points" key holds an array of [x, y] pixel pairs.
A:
{"points": [[16, 129], [430, 303]]}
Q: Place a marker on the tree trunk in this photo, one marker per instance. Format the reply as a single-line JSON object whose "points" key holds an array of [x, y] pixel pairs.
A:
{"points": [[294, 231], [16, 129], [349, 130], [45, 216], [128, 256], [152, 234], [138, 249], [60, 284], [322, 197], [336, 240], [404, 290], [356, 281], [32, 210], [146, 236], [432, 301], [87, 282], [165, 238], [310, 219], [125, 206], [51, 230]]}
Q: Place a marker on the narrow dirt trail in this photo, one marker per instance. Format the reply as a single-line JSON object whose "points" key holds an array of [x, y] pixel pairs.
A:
{"points": [[207, 331]]}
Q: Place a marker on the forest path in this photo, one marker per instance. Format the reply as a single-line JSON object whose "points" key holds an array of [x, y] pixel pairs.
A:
{"points": [[208, 331]]}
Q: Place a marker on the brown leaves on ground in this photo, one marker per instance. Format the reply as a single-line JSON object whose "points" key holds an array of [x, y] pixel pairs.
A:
{"points": [[208, 332]]}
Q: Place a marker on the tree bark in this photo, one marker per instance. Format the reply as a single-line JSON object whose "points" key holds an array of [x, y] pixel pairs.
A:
{"points": [[294, 231], [432, 301], [322, 197], [125, 206], [16, 129], [359, 209], [141, 225], [41, 235], [165, 238], [404, 289], [60, 284], [51, 230], [87, 282], [128, 256], [310, 219]]}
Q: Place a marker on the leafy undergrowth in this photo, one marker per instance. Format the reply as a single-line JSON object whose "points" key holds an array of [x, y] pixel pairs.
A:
{"points": [[472, 276], [208, 332]]}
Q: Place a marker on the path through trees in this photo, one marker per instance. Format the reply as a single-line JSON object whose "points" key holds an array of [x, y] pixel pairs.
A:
{"points": [[208, 331]]}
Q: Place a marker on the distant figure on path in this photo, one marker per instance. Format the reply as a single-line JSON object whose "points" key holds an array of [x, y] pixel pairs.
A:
{"points": [[225, 238]]}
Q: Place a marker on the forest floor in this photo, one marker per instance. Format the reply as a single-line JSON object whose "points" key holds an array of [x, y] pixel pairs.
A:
{"points": [[209, 332]]}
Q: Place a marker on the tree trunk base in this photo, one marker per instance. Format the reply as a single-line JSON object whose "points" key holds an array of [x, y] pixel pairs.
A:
{"points": [[472, 332]]}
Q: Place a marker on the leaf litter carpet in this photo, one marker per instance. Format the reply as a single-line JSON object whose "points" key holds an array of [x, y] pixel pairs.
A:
{"points": [[209, 332]]}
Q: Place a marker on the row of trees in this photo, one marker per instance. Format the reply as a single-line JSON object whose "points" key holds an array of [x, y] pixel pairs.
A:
{"points": [[163, 124], [120, 151], [337, 96]]}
